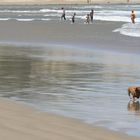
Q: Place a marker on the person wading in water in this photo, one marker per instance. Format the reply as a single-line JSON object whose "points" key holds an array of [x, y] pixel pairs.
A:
{"points": [[133, 16]]}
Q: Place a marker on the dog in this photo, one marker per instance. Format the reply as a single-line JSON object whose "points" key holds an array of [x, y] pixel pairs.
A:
{"points": [[134, 92]]}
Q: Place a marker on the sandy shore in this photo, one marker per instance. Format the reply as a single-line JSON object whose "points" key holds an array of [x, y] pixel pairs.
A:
{"points": [[26, 2], [20, 122], [98, 35]]}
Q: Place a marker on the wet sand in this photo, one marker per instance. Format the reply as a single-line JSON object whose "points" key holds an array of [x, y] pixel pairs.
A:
{"points": [[25, 2], [97, 35], [21, 122]]}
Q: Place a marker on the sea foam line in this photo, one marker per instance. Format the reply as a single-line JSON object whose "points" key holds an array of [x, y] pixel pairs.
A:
{"points": [[129, 29]]}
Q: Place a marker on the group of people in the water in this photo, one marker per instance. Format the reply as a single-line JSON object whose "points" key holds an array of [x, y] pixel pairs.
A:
{"points": [[89, 16]]}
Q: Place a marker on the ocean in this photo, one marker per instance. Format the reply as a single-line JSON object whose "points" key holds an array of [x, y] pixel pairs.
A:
{"points": [[53, 12], [87, 84]]}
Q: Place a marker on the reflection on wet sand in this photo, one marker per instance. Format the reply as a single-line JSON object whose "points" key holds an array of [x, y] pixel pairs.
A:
{"points": [[134, 106], [28, 72]]}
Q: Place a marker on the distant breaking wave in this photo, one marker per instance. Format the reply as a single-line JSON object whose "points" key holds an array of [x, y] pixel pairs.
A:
{"points": [[129, 29], [102, 12], [115, 13], [24, 19]]}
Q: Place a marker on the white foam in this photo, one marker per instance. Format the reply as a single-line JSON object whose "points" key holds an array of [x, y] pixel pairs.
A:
{"points": [[90, 7], [49, 11], [24, 19], [45, 19], [18, 11], [129, 29], [112, 18], [4, 19]]}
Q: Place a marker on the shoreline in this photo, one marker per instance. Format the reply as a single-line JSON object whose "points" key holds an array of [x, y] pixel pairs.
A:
{"points": [[41, 2], [37, 4], [98, 35], [20, 121]]}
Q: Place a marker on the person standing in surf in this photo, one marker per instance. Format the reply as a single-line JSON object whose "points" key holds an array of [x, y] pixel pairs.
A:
{"points": [[88, 18], [73, 18], [133, 16], [91, 15], [63, 14]]}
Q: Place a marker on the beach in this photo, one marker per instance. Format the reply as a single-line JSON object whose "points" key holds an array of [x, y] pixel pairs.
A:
{"points": [[99, 34], [18, 121], [64, 81], [38, 2]]}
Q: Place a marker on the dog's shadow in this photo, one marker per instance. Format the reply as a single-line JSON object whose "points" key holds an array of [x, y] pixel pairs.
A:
{"points": [[133, 106]]}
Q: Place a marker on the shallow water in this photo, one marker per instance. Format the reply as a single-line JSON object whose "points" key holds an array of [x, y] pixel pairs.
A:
{"points": [[107, 12], [90, 85], [102, 12]]}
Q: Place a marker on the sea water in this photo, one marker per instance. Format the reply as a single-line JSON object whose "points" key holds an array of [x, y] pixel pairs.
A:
{"points": [[116, 13], [129, 29]]}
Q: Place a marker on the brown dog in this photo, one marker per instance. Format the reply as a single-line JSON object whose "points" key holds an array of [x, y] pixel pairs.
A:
{"points": [[134, 92]]}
